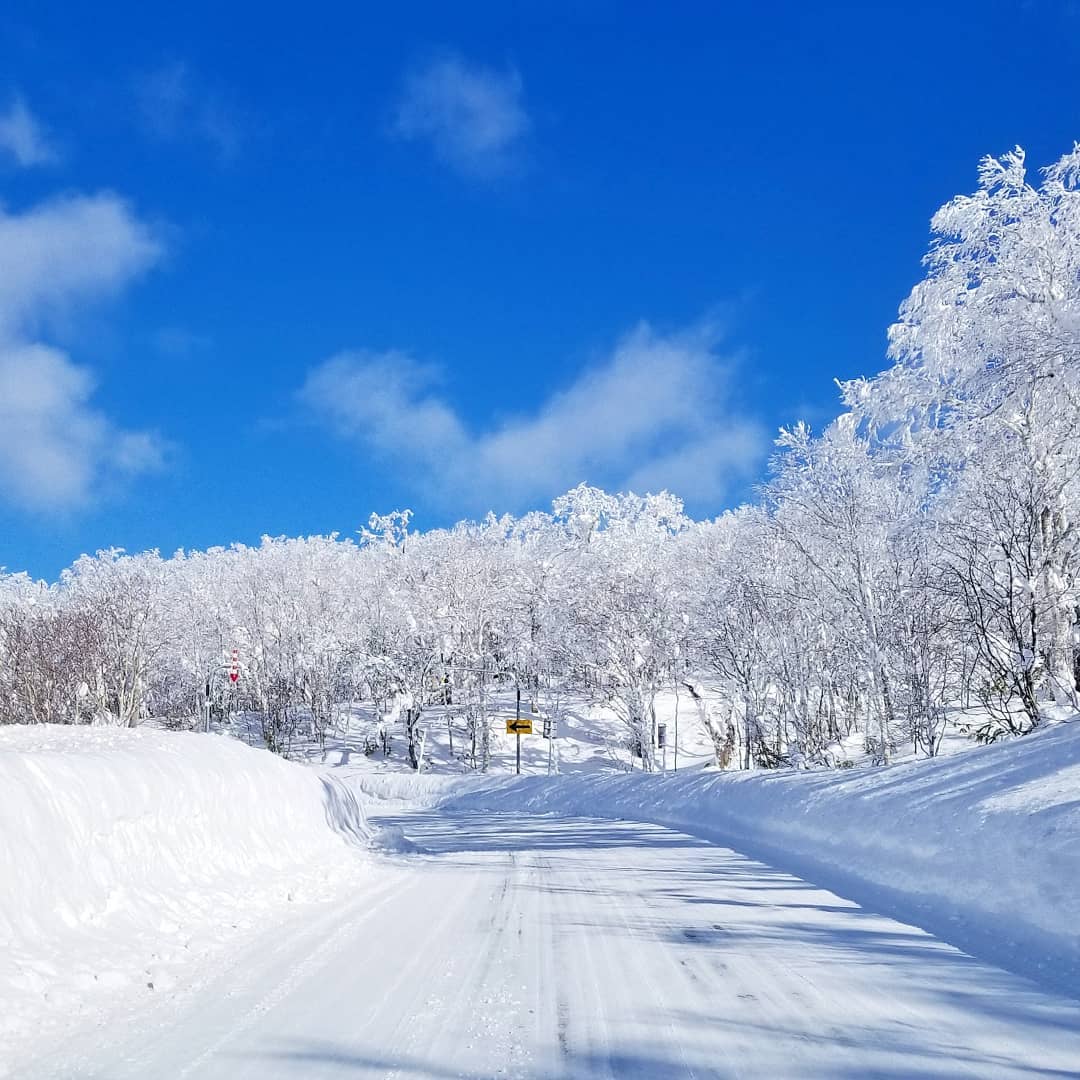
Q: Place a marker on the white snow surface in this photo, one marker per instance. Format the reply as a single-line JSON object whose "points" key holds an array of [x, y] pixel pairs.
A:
{"points": [[759, 926], [549, 947], [127, 855], [981, 848]]}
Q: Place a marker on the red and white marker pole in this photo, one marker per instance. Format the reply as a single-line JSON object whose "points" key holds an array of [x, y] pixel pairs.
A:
{"points": [[234, 666]]}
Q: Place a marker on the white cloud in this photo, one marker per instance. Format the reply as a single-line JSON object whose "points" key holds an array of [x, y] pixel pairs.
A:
{"points": [[68, 251], [22, 137], [472, 116], [56, 448], [383, 400], [175, 105], [180, 343], [656, 413]]}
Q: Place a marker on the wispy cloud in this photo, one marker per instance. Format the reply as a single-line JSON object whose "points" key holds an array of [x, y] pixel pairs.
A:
{"points": [[179, 343], [57, 449], [66, 252], [23, 138], [656, 413], [472, 116], [176, 105]]}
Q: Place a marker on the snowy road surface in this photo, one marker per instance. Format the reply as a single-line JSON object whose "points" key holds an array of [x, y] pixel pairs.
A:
{"points": [[575, 948]]}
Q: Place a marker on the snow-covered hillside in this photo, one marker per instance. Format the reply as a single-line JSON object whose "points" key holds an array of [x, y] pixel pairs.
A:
{"points": [[125, 855], [591, 737]]}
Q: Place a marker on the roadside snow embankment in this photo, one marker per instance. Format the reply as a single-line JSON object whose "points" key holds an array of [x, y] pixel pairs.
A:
{"points": [[981, 848], [125, 854]]}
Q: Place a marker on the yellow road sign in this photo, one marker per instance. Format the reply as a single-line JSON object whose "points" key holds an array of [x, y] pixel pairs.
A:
{"points": [[519, 727]]}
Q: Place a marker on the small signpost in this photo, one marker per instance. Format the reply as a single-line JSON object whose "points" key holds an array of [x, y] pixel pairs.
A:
{"points": [[519, 726], [420, 756], [551, 730], [661, 741]]}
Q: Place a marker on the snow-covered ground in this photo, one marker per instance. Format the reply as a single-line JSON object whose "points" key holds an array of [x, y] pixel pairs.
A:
{"points": [[563, 948], [592, 924], [591, 736], [982, 847], [130, 858]]}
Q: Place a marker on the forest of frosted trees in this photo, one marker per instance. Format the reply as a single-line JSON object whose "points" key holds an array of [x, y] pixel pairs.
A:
{"points": [[913, 563]]}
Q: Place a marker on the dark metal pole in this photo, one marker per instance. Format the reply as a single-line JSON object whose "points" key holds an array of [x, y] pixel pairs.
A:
{"points": [[518, 734]]}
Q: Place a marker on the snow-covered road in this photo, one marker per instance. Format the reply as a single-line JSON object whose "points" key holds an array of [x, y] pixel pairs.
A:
{"points": [[566, 947]]}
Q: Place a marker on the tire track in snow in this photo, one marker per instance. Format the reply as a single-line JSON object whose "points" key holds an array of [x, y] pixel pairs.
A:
{"points": [[306, 968]]}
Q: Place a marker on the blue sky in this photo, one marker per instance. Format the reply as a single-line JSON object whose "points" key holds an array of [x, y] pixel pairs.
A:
{"points": [[268, 272]]}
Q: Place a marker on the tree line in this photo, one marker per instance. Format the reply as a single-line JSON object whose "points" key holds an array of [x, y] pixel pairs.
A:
{"points": [[915, 560]]}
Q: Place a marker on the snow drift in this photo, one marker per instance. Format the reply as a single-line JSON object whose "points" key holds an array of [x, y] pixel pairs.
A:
{"points": [[981, 848], [124, 852]]}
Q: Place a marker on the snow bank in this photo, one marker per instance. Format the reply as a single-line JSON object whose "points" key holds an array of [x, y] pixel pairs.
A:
{"points": [[427, 790], [124, 852], [981, 848]]}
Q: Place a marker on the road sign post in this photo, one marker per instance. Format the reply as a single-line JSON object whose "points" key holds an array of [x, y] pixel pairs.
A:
{"points": [[519, 726], [229, 696], [420, 756]]}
